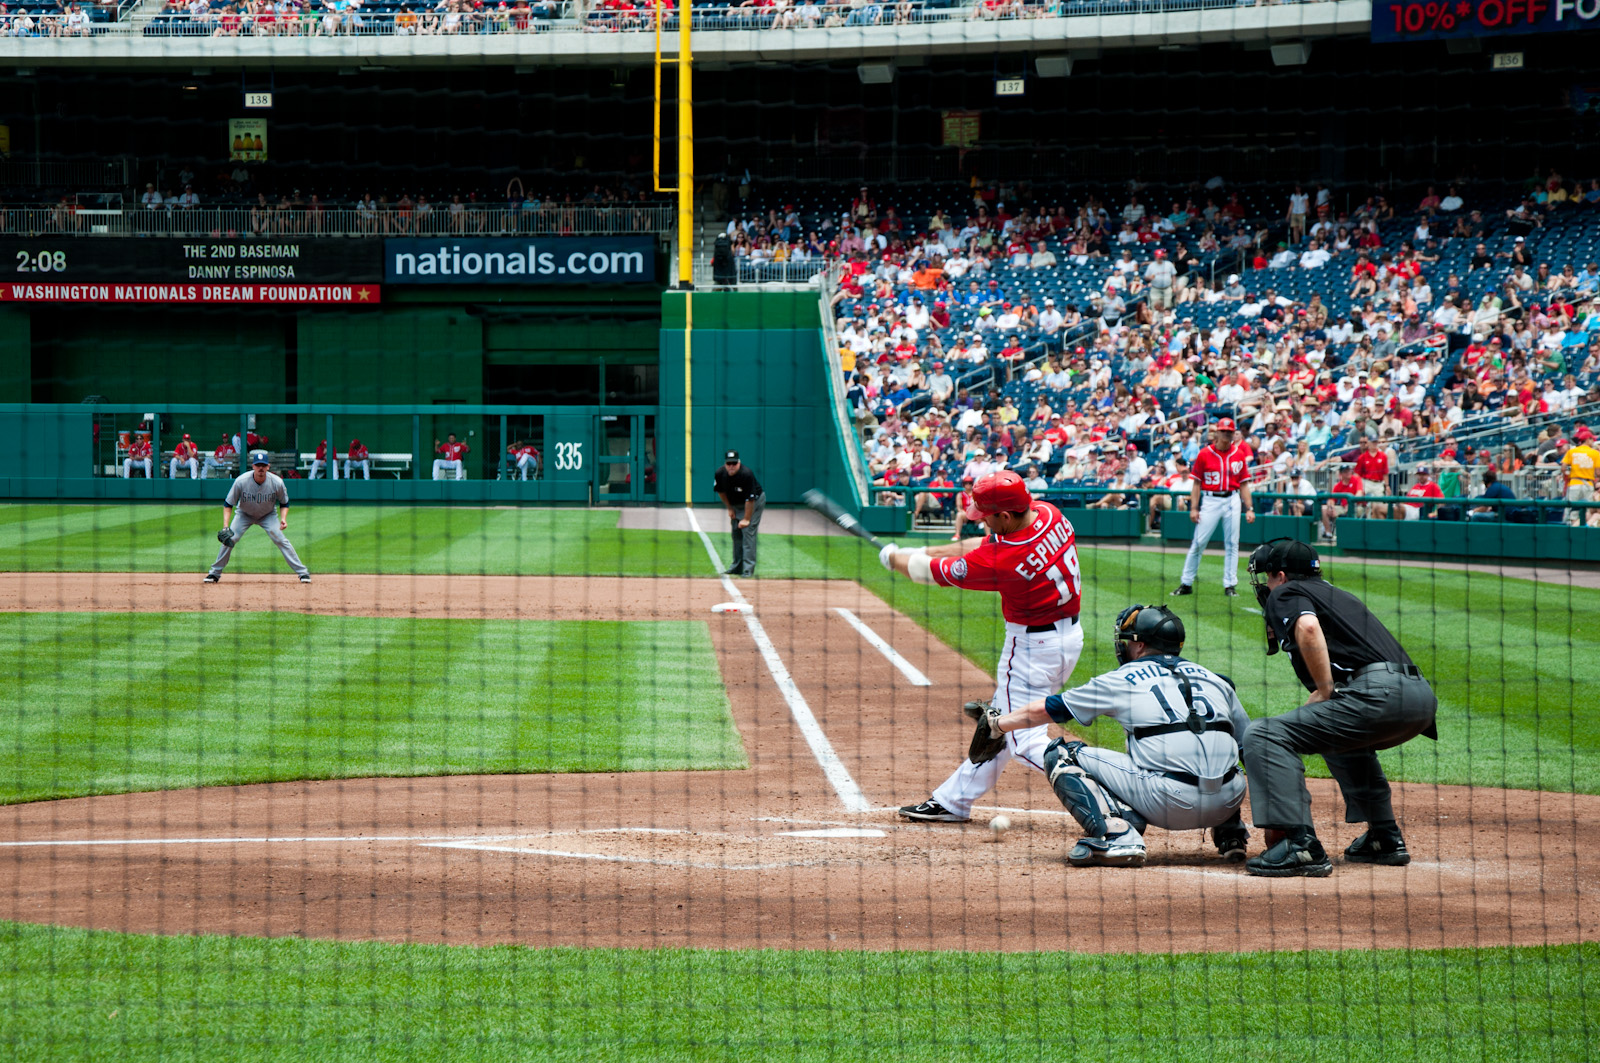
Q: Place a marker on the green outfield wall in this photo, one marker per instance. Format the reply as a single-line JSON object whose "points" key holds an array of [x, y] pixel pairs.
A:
{"points": [[754, 380]]}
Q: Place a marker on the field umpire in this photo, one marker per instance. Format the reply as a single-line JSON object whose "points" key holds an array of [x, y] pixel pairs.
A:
{"points": [[745, 501], [1366, 695]]}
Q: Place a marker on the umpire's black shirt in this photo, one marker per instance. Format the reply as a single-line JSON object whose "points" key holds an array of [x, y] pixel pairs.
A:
{"points": [[1355, 637], [739, 488]]}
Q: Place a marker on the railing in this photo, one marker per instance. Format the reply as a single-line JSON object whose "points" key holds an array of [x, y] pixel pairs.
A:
{"points": [[277, 221], [574, 16]]}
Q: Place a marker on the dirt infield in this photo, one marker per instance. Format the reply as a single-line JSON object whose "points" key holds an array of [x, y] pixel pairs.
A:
{"points": [[732, 859]]}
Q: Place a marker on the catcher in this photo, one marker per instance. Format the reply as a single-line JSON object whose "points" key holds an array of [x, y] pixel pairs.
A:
{"points": [[1181, 771], [257, 494]]}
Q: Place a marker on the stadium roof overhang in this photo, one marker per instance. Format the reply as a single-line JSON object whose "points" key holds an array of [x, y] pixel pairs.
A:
{"points": [[1251, 26]]}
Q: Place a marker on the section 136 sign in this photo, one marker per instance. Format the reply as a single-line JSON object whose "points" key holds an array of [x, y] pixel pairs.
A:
{"points": [[1434, 20]]}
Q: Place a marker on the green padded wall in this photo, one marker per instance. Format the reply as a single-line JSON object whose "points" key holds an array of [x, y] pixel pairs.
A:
{"points": [[757, 386], [16, 355], [403, 356]]}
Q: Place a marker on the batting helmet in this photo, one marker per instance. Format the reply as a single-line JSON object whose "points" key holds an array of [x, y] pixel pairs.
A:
{"points": [[1000, 492], [1224, 424], [1154, 625]]}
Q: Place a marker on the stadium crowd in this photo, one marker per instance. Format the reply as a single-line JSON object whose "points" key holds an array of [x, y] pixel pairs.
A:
{"points": [[1088, 345]]}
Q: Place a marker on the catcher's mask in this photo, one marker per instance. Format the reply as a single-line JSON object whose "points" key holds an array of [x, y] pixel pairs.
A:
{"points": [[1154, 625]]}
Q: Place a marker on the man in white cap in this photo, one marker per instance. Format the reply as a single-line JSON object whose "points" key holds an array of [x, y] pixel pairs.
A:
{"points": [[1234, 291]]}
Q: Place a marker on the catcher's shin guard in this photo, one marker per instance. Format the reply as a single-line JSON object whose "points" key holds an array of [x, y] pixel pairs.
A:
{"points": [[1074, 789]]}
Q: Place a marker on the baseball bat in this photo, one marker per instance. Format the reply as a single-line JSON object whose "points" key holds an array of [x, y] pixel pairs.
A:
{"points": [[820, 502]]}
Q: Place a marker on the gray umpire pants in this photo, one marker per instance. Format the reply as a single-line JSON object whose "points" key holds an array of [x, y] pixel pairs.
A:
{"points": [[269, 524], [744, 539], [1380, 708]]}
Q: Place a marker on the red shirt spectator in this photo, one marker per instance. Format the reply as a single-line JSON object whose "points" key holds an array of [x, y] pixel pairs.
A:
{"points": [[1373, 465]]}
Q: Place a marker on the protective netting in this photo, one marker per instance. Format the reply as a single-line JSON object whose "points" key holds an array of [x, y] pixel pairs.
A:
{"points": [[544, 705]]}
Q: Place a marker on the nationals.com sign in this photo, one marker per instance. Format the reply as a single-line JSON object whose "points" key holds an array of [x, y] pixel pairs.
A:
{"points": [[1434, 20]]}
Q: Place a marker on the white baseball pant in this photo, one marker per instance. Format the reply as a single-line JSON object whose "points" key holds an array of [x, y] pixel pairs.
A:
{"points": [[365, 465], [211, 463], [1032, 666], [526, 462], [1212, 510], [316, 469], [1165, 803], [194, 468], [129, 463], [441, 466]]}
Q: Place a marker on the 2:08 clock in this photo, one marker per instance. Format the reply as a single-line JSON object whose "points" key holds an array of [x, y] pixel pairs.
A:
{"points": [[41, 261]]}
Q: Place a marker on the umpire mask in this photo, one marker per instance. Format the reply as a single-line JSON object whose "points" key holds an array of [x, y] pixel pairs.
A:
{"points": [[1295, 559]]}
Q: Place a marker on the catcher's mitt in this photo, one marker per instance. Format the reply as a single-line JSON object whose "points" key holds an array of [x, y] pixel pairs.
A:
{"points": [[225, 536], [987, 739]]}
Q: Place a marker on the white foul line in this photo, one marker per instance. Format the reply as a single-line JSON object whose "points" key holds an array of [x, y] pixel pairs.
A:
{"points": [[838, 775], [613, 858], [232, 841], [906, 668]]}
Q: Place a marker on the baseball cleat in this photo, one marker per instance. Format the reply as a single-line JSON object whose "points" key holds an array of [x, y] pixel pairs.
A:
{"points": [[1183, 588], [306, 578], [1231, 844], [1122, 850], [1380, 845], [1231, 592], [933, 812], [212, 579], [1296, 855]]}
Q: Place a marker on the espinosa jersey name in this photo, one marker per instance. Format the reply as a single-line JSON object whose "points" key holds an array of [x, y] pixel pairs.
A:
{"points": [[1042, 556]]}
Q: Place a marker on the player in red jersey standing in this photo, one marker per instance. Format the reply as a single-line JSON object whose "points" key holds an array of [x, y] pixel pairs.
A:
{"points": [[1031, 557], [1221, 489]]}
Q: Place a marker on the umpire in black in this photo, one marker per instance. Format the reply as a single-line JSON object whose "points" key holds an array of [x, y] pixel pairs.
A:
{"points": [[741, 493], [1366, 695]]}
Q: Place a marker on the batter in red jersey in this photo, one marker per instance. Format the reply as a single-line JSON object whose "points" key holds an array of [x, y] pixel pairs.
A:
{"points": [[1030, 556], [1221, 491]]}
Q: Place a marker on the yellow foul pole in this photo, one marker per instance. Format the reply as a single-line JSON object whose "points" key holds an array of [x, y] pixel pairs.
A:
{"points": [[686, 234], [686, 231]]}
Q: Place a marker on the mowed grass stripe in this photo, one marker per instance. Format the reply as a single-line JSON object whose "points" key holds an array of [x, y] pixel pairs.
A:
{"points": [[1511, 659], [111, 702], [83, 995]]}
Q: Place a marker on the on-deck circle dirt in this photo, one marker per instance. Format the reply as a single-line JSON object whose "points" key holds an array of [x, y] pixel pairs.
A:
{"points": [[760, 857]]}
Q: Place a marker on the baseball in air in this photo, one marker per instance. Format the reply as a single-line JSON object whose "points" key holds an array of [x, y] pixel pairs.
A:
{"points": [[998, 826]]}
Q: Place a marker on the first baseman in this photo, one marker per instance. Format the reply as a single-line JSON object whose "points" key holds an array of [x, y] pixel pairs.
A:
{"points": [[1221, 489], [1181, 771], [256, 494], [1031, 558]]}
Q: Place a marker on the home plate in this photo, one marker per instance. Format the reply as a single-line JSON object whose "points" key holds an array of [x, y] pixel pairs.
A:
{"points": [[834, 832], [730, 607]]}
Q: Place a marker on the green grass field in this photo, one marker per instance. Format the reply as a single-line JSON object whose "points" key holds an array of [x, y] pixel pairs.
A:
{"points": [[109, 702], [77, 995], [1508, 657]]}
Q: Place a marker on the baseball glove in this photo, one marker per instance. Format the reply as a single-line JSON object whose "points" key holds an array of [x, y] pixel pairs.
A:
{"points": [[987, 739], [225, 536]]}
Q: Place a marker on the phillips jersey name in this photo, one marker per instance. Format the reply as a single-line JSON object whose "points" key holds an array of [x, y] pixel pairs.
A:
{"points": [[1035, 570]]}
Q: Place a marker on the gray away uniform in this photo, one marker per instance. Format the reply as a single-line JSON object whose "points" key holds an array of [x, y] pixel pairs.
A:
{"points": [[1179, 780], [255, 503]]}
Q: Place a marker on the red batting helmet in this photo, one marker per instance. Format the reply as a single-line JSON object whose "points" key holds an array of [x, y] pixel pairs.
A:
{"points": [[1225, 424], [1001, 492]]}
